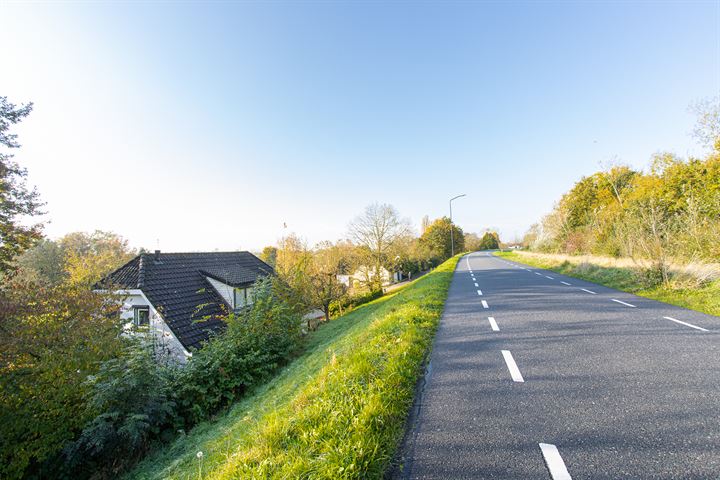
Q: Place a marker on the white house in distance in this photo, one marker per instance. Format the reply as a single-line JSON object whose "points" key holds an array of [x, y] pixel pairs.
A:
{"points": [[363, 274], [183, 297]]}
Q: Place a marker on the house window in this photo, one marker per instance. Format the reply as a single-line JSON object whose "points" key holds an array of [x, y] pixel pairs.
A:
{"points": [[240, 297], [141, 316], [243, 296]]}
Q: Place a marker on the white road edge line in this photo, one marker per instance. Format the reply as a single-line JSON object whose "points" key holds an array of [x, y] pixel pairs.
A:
{"points": [[685, 323], [493, 324], [554, 462], [479, 291], [588, 291], [512, 366], [565, 283], [548, 276], [624, 303], [484, 304]]}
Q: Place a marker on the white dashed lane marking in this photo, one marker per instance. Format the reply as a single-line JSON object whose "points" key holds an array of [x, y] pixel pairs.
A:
{"points": [[588, 291], [555, 464], [565, 283], [493, 324], [479, 291], [512, 366], [685, 323], [624, 303], [485, 304]]}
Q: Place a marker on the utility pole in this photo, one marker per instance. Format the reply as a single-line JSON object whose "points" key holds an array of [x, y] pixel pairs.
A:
{"points": [[452, 236]]}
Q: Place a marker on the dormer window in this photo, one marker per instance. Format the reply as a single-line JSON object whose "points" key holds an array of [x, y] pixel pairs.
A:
{"points": [[242, 297], [141, 316]]}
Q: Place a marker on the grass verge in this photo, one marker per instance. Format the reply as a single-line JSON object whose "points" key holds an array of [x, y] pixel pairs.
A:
{"points": [[705, 299], [338, 411]]}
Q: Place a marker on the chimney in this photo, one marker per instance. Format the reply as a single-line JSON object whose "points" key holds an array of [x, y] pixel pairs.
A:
{"points": [[157, 255]]}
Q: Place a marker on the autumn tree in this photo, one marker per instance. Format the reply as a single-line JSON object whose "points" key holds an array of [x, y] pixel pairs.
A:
{"points": [[17, 200], [91, 256], [489, 241], [437, 238], [293, 264], [472, 242], [52, 338], [328, 262], [269, 255]]}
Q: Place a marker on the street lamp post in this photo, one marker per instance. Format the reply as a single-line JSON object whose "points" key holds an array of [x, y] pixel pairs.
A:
{"points": [[452, 236]]}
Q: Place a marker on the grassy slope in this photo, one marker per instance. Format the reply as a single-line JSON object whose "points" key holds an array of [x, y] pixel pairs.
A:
{"points": [[338, 411], [706, 299]]}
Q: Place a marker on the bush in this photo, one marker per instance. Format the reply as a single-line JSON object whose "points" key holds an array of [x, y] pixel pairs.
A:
{"points": [[651, 277], [257, 341], [132, 402], [137, 398]]}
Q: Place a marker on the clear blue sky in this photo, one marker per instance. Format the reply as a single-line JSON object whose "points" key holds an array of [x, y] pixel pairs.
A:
{"points": [[209, 126]]}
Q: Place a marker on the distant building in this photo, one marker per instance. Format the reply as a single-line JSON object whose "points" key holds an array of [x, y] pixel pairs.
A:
{"points": [[365, 274]]}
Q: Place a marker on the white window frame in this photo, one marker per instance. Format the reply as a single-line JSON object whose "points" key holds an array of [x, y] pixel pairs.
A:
{"points": [[136, 315]]}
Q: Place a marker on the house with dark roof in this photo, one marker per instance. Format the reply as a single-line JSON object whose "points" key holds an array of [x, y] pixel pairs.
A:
{"points": [[183, 297]]}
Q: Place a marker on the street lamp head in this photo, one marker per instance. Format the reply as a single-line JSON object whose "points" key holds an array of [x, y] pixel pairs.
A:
{"points": [[459, 196]]}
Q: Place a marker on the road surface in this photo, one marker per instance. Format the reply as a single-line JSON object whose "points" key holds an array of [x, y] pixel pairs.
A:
{"points": [[535, 375]]}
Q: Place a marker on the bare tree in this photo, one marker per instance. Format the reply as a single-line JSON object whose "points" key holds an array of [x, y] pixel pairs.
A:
{"points": [[377, 229], [707, 128]]}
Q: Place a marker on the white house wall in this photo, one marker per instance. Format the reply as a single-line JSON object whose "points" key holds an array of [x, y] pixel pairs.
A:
{"points": [[164, 337], [226, 291]]}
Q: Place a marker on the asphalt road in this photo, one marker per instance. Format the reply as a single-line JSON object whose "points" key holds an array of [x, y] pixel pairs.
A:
{"points": [[610, 387]]}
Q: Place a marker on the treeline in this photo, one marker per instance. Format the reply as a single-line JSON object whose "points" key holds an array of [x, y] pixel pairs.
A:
{"points": [[667, 214], [380, 246]]}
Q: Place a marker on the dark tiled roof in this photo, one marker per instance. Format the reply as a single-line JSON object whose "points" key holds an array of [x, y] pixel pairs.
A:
{"points": [[176, 285], [235, 275]]}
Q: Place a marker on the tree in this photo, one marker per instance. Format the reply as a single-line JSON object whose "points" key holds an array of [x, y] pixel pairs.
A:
{"points": [[328, 261], [293, 264], [472, 242], [437, 238], [424, 224], [16, 200], [44, 263], [707, 127], [51, 340], [490, 241], [89, 257], [269, 255], [376, 230]]}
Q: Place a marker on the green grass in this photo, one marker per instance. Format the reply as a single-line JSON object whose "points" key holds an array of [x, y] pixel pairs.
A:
{"points": [[705, 299], [338, 411]]}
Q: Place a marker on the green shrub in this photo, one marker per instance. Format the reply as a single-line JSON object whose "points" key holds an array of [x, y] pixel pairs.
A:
{"points": [[137, 399], [650, 277], [132, 402], [256, 342]]}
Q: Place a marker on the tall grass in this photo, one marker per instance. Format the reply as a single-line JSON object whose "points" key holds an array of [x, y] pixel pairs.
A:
{"points": [[694, 286], [337, 412]]}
